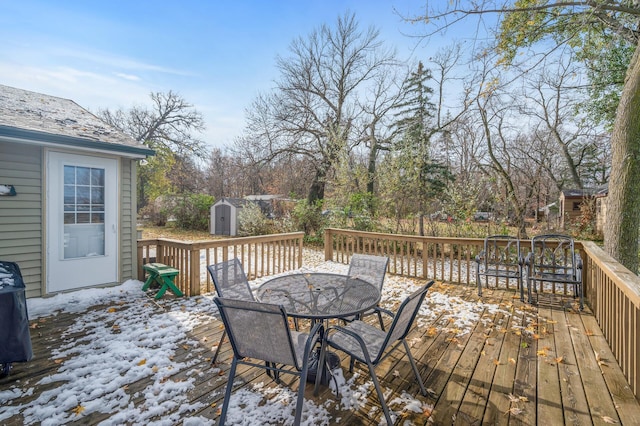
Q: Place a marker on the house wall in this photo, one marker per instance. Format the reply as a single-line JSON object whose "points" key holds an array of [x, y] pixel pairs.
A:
{"points": [[21, 230], [22, 216]]}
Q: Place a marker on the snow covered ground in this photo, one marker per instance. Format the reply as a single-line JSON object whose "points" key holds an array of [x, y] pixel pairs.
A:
{"points": [[131, 338]]}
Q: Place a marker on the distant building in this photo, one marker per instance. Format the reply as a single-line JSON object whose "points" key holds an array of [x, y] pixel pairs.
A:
{"points": [[224, 215], [572, 201]]}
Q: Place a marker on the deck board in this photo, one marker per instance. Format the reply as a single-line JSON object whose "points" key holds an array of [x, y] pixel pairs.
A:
{"points": [[519, 365]]}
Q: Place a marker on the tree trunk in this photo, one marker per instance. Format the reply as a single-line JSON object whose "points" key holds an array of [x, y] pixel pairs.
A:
{"points": [[316, 191], [622, 224]]}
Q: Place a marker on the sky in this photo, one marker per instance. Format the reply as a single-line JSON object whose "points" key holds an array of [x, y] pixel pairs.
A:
{"points": [[218, 55], [96, 364]]}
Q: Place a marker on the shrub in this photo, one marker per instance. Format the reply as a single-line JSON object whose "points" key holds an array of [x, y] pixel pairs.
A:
{"points": [[192, 212], [251, 221]]}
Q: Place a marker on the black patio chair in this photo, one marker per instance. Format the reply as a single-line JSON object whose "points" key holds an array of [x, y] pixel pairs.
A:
{"points": [[368, 344], [231, 282], [553, 259], [500, 258], [260, 331], [372, 269]]}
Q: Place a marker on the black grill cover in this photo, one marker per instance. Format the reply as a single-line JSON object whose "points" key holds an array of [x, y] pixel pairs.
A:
{"points": [[15, 340]]}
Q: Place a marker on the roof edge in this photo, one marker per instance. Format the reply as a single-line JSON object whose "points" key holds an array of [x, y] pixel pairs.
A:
{"points": [[71, 141]]}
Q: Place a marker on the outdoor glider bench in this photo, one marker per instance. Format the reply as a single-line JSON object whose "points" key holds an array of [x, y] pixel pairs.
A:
{"points": [[164, 276], [500, 258]]}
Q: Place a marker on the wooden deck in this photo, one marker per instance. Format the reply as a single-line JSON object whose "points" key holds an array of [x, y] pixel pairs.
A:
{"points": [[546, 365]]}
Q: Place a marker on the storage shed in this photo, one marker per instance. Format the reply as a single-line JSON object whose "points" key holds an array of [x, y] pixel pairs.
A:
{"points": [[224, 216], [67, 194]]}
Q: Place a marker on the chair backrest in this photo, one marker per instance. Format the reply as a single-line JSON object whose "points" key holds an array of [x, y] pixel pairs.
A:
{"points": [[502, 250], [404, 317], [369, 268], [553, 254], [230, 280], [258, 330]]}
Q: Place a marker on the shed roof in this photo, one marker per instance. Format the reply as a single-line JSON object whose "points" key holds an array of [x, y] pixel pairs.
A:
{"points": [[35, 117], [236, 202]]}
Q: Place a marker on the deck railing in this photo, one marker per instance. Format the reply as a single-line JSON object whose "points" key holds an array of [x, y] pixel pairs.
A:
{"points": [[260, 256], [611, 291]]}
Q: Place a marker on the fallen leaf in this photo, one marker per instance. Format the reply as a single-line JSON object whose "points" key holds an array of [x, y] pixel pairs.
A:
{"points": [[609, 420], [512, 361], [513, 398], [559, 359], [396, 373], [515, 411], [78, 410], [427, 410], [111, 310], [496, 362], [142, 362]]}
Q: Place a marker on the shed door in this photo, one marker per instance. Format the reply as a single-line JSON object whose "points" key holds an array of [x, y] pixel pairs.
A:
{"points": [[82, 221], [223, 220]]}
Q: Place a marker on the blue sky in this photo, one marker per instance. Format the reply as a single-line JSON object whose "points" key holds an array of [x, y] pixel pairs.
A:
{"points": [[217, 54]]}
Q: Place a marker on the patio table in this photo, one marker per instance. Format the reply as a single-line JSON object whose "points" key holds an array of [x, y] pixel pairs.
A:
{"points": [[320, 297]]}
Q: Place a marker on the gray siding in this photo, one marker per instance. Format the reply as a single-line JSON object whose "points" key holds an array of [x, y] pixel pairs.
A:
{"points": [[21, 215], [128, 220]]}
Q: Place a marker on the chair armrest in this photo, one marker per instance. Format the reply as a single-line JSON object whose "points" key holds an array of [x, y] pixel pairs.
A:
{"points": [[384, 311], [350, 333], [480, 256], [314, 336]]}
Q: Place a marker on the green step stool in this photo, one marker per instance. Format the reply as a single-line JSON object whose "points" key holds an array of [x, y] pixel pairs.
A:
{"points": [[163, 275]]}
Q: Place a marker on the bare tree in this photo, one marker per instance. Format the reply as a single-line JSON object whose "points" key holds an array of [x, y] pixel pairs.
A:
{"points": [[314, 107], [169, 127], [592, 28]]}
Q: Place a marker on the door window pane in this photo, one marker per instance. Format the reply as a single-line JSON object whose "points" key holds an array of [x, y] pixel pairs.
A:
{"points": [[83, 211]]}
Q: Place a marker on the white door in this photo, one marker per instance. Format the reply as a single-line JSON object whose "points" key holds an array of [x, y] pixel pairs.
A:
{"points": [[82, 221]]}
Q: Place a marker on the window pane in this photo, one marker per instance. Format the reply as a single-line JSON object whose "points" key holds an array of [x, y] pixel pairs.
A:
{"points": [[69, 194], [97, 218], [69, 218], [83, 194], [83, 218], [83, 175], [97, 195], [97, 177], [69, 174]]}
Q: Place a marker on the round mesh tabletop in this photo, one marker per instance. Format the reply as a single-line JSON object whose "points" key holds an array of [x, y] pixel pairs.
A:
{"points": [[320, 295]]}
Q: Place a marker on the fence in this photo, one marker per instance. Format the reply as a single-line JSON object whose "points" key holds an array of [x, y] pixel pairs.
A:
{"points": [[610, 290], [260, 256]]}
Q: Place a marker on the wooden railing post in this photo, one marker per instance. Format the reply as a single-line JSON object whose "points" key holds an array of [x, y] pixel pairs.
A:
{"points": [[328, 244], [194, 272]]}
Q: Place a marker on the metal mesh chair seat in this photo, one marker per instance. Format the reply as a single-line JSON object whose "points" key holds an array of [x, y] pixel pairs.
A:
{"points": [[372, 269], [370, 345], [260, 331]]}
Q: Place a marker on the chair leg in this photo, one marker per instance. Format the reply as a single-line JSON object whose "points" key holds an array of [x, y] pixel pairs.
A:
{"points": [[381, 321], [412, 361], [227, 394], [215, 355], [376, 383], [301, 386]]}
